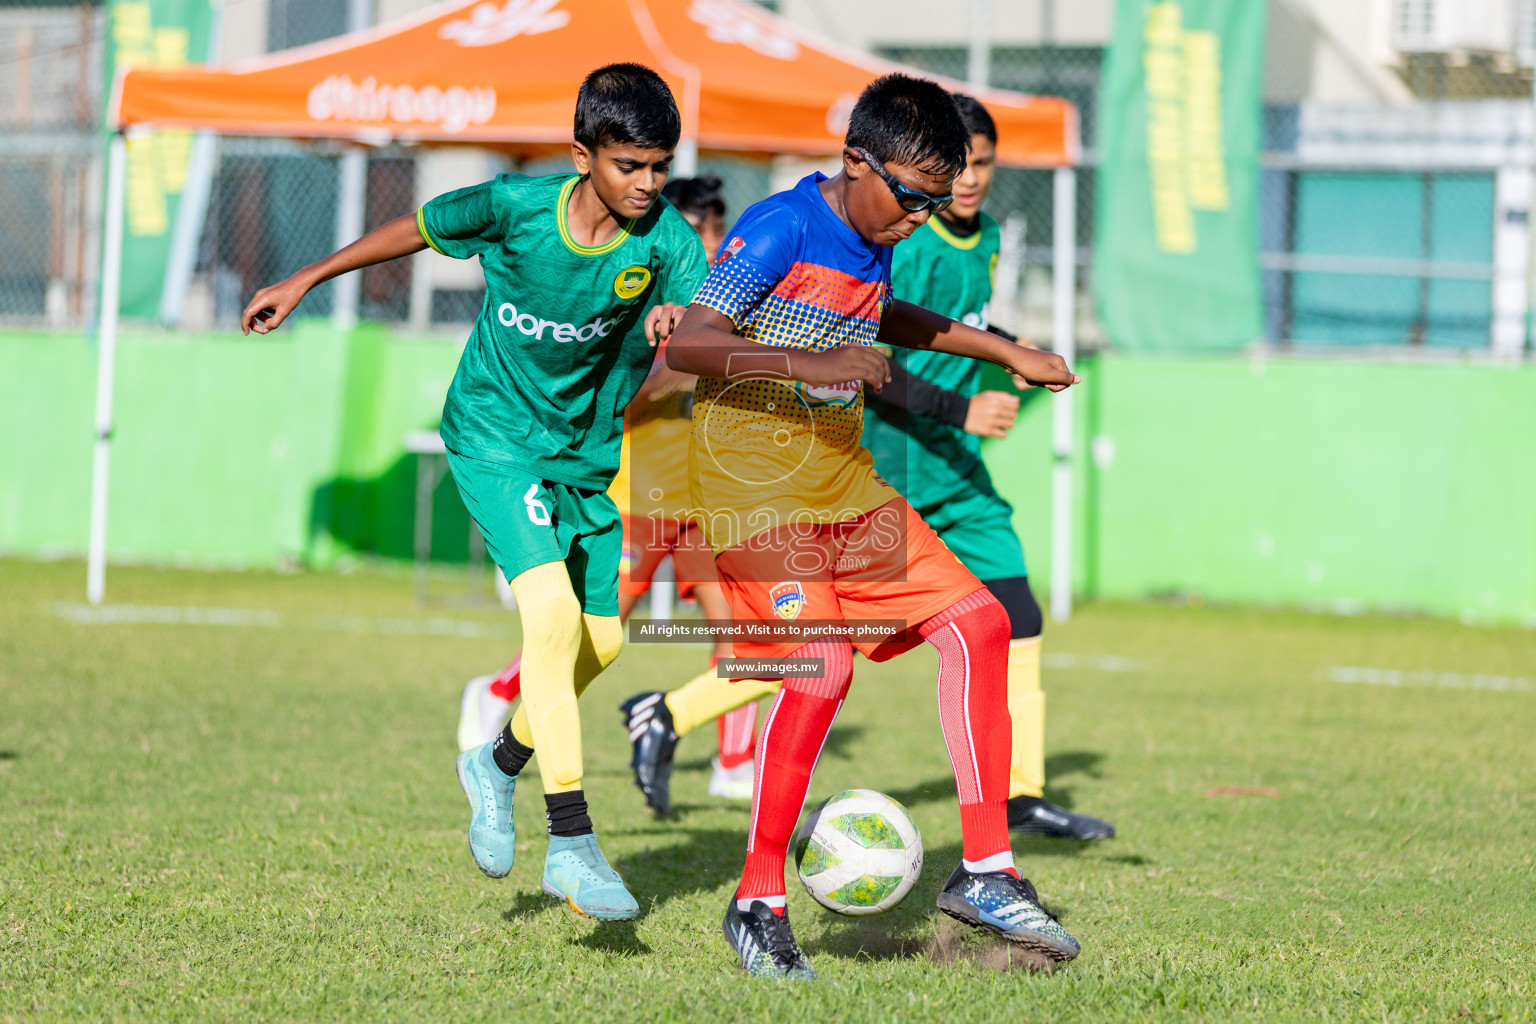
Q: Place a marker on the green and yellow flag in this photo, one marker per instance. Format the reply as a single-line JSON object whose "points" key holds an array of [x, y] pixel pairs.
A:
{"points": [[161, 33], [1175, 249]]}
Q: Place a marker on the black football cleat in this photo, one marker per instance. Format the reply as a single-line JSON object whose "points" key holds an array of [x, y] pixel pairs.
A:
{"points": [[764, 943], [1030, 815], [654, 741]]}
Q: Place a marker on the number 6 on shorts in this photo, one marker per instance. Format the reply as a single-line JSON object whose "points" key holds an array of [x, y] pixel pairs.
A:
{"points": [[538, 514]]}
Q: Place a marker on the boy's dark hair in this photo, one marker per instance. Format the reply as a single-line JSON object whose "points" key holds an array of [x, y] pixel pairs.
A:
{"points": [[697, 196], [626, 103], [904, 120], [977, 120]]}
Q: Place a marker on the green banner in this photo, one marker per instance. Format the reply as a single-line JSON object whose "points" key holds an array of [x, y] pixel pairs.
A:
{"points": [[1176, 241], [162, 33]]}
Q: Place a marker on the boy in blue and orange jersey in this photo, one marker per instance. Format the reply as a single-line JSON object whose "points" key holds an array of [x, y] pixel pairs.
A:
{"points": [[782, 336]]}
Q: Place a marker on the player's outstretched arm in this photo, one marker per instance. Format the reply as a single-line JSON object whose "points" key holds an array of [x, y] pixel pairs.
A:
{"points": [[912, 326], [705, 344], [271, 306], [985, 414]]}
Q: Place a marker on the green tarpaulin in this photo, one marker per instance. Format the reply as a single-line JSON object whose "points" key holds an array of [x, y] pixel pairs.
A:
{"points": [[1175, 253], [163, 33]]}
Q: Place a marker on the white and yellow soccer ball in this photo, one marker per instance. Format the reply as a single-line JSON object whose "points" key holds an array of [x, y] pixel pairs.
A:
{"points": [[858, 853]]}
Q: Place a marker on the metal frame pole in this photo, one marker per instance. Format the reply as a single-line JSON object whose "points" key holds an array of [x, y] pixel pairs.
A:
{"points": [[979, 57], [351, 207], [351, 200], [1064, 343], [106, 363]]}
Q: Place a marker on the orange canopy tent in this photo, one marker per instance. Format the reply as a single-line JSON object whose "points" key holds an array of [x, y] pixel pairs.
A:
{"points": [[507, 73]]}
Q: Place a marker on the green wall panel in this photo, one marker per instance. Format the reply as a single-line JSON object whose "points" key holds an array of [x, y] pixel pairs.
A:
{"points": [[1341, 483], [1352, 485]]}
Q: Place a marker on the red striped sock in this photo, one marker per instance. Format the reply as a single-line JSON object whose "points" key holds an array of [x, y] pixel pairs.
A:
{"points": [[737, 731], [793, 735], [510, 682], [971, 637]]}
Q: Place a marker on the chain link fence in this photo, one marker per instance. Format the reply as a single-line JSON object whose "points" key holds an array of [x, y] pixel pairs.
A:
{"points": [[1397, 226], [50, 163], [1071, 72]]}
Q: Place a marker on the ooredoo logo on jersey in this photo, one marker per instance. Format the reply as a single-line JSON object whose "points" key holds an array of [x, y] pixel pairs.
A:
{"points": [[532, 325]]}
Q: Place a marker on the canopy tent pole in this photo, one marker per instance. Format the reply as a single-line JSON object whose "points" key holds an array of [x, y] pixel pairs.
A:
{"points": [[351, 200], [191, 215], [351, 211], [685, 163], [1064, 344], [978, 68], [106, 359]]}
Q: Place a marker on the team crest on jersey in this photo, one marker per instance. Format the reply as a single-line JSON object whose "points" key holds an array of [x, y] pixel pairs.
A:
{"points": [[788, 599], [834, 396], [734, 246], [631, 282]]}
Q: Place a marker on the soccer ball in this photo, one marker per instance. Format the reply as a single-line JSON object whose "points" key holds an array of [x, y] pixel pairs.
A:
{"points": [[858, 853]]}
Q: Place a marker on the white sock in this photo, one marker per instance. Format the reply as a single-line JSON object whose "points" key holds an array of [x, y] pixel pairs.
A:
{"points": [[773, 902], [997, 862]]}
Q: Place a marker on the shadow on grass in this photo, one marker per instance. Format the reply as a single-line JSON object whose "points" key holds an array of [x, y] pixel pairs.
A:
{"points": [[527, 904], [900, 933], [614, 937], [840, 739], [609, 936], [702, 860], [932, 791], [8, 755], [1073, 762]]}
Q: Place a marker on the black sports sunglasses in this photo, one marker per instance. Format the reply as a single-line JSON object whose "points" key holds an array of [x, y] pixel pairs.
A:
{"points": [[910, 199]]}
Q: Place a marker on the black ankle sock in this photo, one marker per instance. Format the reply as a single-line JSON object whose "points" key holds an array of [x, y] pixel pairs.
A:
{"points": [[567, 814], [1024, 803], [510, 756]]}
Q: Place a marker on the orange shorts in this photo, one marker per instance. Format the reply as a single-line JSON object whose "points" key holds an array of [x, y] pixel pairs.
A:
{"points": [[647, 540], [884, 567]]}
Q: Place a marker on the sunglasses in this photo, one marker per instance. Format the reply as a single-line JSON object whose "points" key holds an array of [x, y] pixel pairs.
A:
{"points": [[909, 199]]}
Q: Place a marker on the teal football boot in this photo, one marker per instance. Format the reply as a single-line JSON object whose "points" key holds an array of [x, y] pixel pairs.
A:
{"points": [[576, 871], [489, 790]]}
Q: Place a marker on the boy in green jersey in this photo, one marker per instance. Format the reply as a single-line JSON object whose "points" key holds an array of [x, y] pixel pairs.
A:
{"points": [[924, 430], [584, 273]]}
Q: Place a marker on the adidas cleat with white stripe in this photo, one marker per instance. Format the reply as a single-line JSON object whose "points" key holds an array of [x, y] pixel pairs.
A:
{"points": [[764, 943], [997, 902]]}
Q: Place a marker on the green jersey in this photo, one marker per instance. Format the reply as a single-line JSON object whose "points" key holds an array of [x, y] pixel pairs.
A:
{"points": [[559, 347], [926, 460]]}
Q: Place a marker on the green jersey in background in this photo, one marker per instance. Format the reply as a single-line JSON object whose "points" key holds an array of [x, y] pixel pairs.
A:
{"points": [[559, 347], [926, 460]]}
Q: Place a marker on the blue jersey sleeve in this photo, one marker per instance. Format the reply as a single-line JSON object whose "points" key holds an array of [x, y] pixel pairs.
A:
{"points": [[751, 263]]}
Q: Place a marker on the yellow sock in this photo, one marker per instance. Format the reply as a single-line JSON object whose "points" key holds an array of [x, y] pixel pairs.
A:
{"points": [[553, 633], [602, 639], [1026, 704], [706, 697]]}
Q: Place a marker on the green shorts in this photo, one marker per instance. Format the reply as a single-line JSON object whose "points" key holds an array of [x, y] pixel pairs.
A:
{"points": [[527, 521], [977, 525]]}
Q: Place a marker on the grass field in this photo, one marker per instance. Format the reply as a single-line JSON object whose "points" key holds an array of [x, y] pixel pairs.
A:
{"points": [[255, 815]]}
